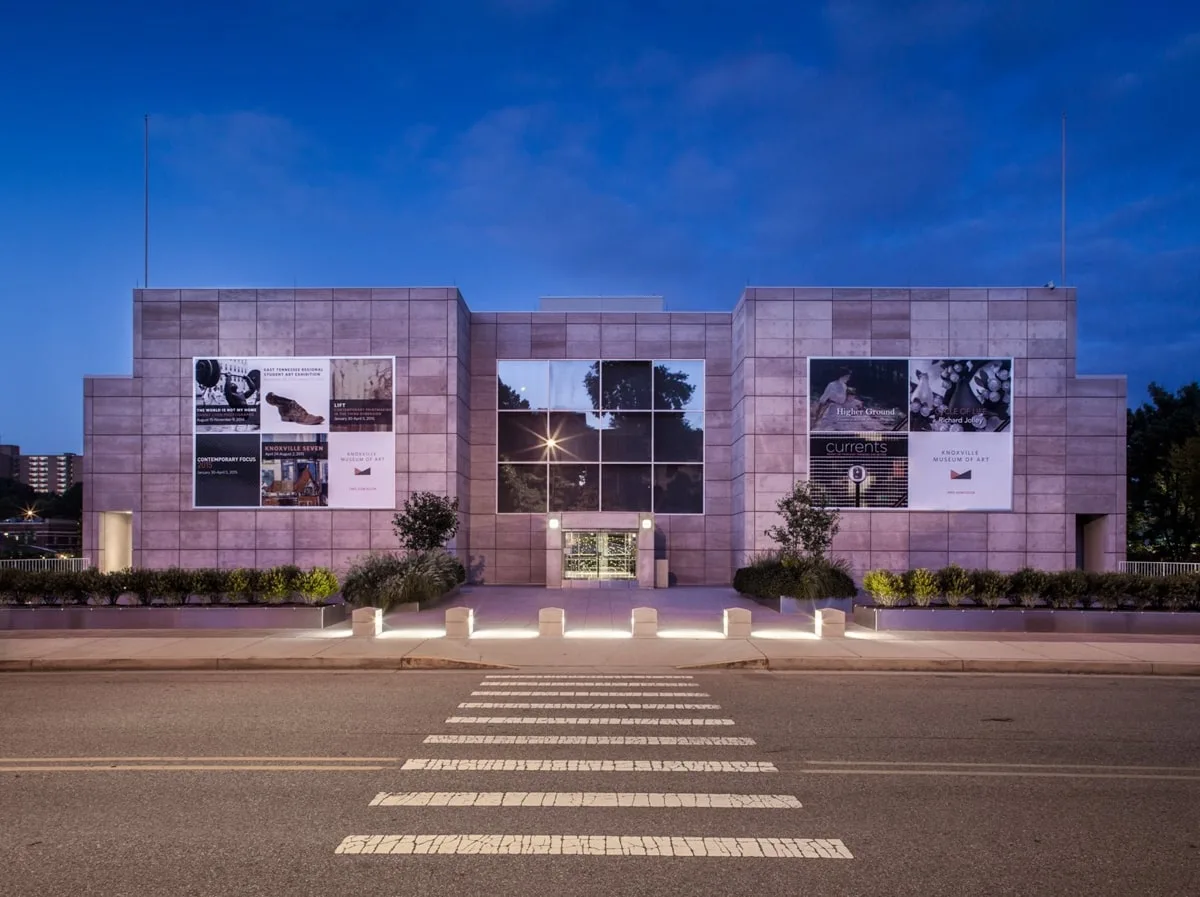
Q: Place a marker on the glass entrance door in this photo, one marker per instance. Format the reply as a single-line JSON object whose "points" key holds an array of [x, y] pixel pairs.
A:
{"points": [[599, 555]]}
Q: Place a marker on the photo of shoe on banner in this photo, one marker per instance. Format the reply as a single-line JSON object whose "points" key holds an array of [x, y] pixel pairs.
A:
{"points": [[294, 432]]}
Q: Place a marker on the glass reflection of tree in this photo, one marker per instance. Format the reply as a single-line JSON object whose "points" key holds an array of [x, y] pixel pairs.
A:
{"points": [[680, 490], [510, 399], [522, 489]]}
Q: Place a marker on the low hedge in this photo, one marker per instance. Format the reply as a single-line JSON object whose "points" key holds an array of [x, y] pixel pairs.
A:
{"points": [[773, 576], [1028, 588], [174, 586]]}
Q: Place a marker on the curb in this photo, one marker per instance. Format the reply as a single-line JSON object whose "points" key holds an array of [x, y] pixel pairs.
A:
{"points": [[212, 664], [952, 665]]}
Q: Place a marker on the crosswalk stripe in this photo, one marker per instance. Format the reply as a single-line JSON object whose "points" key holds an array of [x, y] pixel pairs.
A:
{"points": [[444, 764], [590, 694], [585, 721], [478, 705], [596, 845], [585, 799], [593, 740], [580, 676], [586, 683]]}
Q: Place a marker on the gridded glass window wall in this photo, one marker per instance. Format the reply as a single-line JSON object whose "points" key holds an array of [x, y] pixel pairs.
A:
{"points": [[600, 436]]}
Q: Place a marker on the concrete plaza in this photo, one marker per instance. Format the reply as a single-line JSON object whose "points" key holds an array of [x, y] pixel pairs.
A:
{"points": [[598, 637]]}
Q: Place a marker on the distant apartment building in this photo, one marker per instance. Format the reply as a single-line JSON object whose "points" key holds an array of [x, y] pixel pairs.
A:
{"points": [[50, 473], [9, 467]]}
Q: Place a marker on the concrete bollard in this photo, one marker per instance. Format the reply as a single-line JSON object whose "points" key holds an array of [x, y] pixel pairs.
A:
{"points": [[460, 622], [366, 622], [829, 623], [645, 622], [552, 622], [737, 622]]}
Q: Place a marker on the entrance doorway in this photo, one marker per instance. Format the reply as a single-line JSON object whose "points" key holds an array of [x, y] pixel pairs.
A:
{"points": [[591, 556]]}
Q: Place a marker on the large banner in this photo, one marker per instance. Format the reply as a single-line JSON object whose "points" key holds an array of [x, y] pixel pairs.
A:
{"points": [[924, 434], [294, 433]]}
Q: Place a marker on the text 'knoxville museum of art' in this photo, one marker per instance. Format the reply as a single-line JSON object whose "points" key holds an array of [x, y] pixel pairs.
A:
{"points": [[595, 439]]}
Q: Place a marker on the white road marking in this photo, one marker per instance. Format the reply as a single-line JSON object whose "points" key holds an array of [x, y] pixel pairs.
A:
{"points": [[597, 845], [585, 799], [193, 767], [483, 705], [1134, 768], [998, 773], [586, 721], [631, 740], [447, 764], [579, 676], [585, 683], [589, 694]]}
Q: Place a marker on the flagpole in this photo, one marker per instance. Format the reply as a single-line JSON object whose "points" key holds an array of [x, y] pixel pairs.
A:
{"points": [[146, 204], [1062, 237]]}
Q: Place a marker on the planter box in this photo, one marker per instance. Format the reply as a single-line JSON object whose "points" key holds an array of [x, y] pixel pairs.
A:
{"points": [[1016, 619], [197, 617], [807, 606], [411, 607]]}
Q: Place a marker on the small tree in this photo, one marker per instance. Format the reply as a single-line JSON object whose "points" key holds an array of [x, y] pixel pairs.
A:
{"points": [[427, 522], [809, 525]]}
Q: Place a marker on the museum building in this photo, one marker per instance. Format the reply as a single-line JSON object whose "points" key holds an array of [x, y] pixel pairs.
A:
{"points": [[604, 438]]}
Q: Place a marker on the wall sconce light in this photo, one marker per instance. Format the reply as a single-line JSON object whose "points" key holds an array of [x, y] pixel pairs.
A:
{"points": [[554, 523], [647, 523]]}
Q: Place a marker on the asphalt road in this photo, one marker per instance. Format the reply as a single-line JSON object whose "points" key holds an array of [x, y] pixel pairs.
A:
{"points": [[131, 783]]}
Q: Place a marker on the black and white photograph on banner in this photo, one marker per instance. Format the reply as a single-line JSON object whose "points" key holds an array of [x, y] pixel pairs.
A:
{"points": [[226, 471], [227, 395], [362, 470], [295, 471], [860, 470], [856, 395], [960, 395], [295, 395], [960, 471], [362, 395]]}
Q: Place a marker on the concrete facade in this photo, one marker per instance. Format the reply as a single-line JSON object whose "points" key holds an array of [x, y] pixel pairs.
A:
{"points": [[1069, 430]]}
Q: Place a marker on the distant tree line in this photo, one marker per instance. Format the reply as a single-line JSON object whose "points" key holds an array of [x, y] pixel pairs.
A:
{"points": [[1164, 476]]}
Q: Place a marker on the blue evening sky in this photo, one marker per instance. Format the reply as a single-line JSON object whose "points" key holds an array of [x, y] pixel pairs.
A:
{"points": [[520, 148]]}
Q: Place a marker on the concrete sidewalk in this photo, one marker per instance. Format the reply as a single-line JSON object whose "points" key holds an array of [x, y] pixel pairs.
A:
{"points": [[399, 649]]}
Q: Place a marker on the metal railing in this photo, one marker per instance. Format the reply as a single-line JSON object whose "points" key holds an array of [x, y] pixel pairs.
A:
{"points": [[54, 565], [1158, 568]]}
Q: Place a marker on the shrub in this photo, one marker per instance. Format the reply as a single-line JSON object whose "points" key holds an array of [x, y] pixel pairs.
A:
{"points": [[243, 584], [69, 587], [212, 584], [809, 524], [275, 583], [1141, 590], [111, 586], [420, 581], [427, 522], [317, 585], [770, 576], [1065, 588], [921, 586], [10, 587], [1108, 589], [955, 584], [1027, 586], [988, 587], [146, 585], [885, 588], [176, 584], [1175, 593]]}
